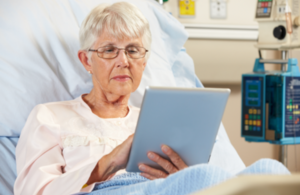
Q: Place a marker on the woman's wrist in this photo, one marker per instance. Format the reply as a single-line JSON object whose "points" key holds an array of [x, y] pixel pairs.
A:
{"points": [[103, 170]]}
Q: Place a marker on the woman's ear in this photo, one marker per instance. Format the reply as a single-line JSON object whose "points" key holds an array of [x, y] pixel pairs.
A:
{"points": [[83, 57], [144, 65]]}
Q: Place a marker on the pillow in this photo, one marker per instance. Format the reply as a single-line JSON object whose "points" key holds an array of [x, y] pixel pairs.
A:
{"points": [[38, 55]]}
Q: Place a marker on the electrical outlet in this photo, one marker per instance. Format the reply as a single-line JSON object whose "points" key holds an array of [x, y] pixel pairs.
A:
{"points": [[218, 9], [281, 9]]}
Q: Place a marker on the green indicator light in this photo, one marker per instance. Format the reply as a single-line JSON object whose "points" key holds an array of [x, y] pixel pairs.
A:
{"points": [[254, 117], [255, 95], [250, 128], [291, 100], [291, 117], [250, 116], [253, 87], [254, 103], [258, 117]]}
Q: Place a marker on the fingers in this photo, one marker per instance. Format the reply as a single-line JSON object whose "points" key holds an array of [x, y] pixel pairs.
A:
{"points": [[165, 164], [151, 173], [129, 140], [174, 157], [148, 176]]}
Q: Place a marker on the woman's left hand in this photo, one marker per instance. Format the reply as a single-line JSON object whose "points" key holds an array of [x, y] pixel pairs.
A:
{"points": [[175, 164]]}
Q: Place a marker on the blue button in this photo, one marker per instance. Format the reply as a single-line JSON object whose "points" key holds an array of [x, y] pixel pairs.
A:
{"points": [[254, 128], [258, 128], [265, 10]]}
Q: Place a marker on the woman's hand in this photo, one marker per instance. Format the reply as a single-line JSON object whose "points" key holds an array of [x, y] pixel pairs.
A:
{"points": [[119, 156], [175, 164], [109, 164]]}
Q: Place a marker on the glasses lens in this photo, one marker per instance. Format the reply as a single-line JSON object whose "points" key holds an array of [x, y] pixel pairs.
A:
{"points": [[107, 52], [135, 52], [110, 52]]}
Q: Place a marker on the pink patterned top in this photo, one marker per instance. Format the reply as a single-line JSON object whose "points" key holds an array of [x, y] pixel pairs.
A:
{"points": [[61, 144]]}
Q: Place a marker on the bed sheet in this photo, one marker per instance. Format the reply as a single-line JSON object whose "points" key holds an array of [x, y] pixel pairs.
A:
{"points": [[8, 171]]}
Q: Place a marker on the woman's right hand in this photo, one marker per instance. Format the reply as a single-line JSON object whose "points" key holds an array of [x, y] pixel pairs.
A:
{"points": [[119, 156], [109, 164]]}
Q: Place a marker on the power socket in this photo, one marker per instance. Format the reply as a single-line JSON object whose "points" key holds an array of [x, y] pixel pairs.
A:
{"points": [[218, 9]]}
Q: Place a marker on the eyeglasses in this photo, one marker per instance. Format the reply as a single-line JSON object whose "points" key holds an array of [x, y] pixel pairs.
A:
{"points": [[110, 52]]}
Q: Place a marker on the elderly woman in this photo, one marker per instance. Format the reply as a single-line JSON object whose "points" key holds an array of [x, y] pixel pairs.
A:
{"points": [[68, 147]]}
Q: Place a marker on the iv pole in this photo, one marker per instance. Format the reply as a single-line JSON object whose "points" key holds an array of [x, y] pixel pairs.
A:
{"points": [[283, 148]]}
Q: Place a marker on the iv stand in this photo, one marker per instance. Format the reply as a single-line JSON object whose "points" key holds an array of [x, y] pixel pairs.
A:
{"points": [[283, 62], [283, 148]]}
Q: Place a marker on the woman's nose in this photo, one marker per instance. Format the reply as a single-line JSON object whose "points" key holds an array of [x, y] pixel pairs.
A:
{"points": [[122, 59]]}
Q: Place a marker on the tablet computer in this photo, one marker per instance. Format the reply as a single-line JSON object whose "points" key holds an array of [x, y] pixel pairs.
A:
{"points": [[186, 119]]}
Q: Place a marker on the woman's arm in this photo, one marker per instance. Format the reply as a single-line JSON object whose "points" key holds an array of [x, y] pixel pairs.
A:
{"points": [[109, 164], [40, 160]]}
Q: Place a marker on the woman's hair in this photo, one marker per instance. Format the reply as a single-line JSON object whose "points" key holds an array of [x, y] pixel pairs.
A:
{"points": [[121, 20]]}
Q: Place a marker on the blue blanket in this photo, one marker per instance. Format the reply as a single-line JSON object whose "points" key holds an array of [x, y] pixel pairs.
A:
{"points": [[187, 181]]}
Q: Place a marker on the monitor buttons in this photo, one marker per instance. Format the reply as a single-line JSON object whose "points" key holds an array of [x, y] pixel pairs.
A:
{"points": [[270, 4], [254, 122], [259, 4], [254, 111], [258, 123], [258, 111]]}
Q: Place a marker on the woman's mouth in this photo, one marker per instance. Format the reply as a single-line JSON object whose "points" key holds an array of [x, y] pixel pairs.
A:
{"points": [[122, 78]]}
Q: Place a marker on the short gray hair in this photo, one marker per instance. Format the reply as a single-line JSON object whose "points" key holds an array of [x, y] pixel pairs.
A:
{"points": [[121, 20]]}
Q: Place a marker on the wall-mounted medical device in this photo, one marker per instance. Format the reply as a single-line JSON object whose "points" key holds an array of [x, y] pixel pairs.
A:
{"points": [[187, 8], [271, 104], [278, 22], [271, 99]]}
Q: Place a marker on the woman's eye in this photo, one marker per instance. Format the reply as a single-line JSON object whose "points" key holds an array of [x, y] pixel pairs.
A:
{"points": [[132, 50], [108, 50]]}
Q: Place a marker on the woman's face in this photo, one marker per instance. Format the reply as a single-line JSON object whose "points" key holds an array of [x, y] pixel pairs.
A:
{"points": [[120, 75]]}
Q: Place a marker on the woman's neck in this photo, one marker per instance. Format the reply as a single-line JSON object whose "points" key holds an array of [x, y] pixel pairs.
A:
{"points": [[106, 105]]}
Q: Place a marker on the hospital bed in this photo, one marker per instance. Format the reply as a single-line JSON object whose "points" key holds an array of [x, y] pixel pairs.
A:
{"points": [[257, 185], [38, 64]]}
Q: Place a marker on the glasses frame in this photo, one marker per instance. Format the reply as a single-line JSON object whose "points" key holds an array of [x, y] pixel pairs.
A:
{"points": [[96, 50]]}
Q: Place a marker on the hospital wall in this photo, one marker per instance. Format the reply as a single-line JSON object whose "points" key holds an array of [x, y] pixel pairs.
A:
{"points": [[220, 63]]}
